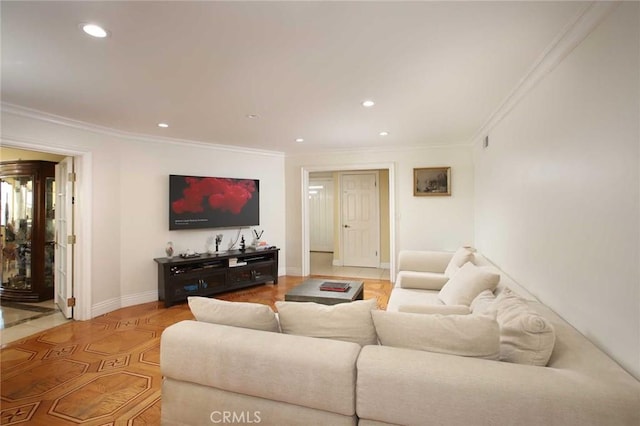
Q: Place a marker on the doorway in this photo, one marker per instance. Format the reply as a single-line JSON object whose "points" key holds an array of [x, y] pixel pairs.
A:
{"points": [[82, 267], [332, 263]]}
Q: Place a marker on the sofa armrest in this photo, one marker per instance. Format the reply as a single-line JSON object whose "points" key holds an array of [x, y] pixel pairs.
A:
{"points": [[300, 370], [421, 280], [453, 390], [423, 260]]}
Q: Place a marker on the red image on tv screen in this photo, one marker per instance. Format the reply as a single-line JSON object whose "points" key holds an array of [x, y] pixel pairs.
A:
{"points": [[208, 202]]}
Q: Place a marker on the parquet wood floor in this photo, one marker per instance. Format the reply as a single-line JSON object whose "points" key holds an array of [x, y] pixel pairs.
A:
{"points": [[106, 371]]}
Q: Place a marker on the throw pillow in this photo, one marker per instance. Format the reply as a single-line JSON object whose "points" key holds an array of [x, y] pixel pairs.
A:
{"points": [[435, 309], [465, 335], [468, 282], [350, 322], [525, 336], [482, 302], [460, 257], [238, 314]]}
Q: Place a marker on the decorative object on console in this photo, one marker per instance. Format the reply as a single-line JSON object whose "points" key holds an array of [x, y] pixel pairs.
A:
{"points": [[432, 181], [256, 241], [218, 241], [169, 249], [189, 254], [209, 245]]}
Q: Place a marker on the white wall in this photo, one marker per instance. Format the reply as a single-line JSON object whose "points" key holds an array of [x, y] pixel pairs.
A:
{"points": [[438, 223], [129, 200], [558, 189]]}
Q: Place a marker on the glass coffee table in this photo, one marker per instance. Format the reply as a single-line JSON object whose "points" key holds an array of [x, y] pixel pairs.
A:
{"points": [[309, 291]]}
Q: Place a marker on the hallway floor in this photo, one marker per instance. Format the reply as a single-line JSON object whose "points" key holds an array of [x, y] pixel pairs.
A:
{"points": [[18, 320], [322, 264]]}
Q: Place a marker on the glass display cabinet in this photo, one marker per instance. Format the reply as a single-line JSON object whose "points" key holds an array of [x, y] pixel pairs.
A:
{"points": [[27, 228]]}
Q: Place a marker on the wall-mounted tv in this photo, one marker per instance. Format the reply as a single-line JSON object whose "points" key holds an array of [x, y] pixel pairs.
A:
{"points": [[213, 202]]}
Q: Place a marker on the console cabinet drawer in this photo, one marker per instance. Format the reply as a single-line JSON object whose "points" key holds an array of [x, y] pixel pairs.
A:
{"points": [[194, 285], [251, 273]]}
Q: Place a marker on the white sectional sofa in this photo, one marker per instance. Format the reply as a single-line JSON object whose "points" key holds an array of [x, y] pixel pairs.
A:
{"points": [[225, 368]]}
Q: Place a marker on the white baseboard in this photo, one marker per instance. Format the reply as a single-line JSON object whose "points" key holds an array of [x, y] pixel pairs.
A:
{"points": [[337, 262], [139, 298], [116, 303], [296, 272], [105, 307]]}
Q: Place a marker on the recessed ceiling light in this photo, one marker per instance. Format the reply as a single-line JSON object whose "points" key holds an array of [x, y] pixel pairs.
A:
{"points": [[163, 125], [299, 140], [368, 103], [94, 30], [251, 116], [384, 133]]}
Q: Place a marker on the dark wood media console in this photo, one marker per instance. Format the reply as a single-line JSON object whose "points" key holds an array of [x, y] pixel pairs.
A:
{"points": [[209, 274]]}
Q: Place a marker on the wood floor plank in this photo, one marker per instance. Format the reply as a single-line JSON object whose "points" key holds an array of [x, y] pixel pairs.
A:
{"points": [[106, 371]]}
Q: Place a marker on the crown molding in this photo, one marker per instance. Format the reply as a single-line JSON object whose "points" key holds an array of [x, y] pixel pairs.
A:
{"points": [[569, 38], [94, 128], [40, 145], [378, 150]]}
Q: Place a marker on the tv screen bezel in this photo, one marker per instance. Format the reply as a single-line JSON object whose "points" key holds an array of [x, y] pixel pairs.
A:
{"points": [[210, 218]]}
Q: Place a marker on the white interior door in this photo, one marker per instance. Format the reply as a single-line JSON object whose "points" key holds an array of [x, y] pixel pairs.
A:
{"points": [[321, 214], [63, 277], [360, 220]]}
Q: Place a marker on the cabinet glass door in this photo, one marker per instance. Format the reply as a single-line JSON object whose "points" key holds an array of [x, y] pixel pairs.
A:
{"points": [[49, 230], [16, 219]]}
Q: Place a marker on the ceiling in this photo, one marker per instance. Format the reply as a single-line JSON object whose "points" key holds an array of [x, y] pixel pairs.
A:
{"points": [[436, 70]]}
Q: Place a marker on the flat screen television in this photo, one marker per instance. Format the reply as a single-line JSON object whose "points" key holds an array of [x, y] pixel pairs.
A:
{"points": [[213, 202]]}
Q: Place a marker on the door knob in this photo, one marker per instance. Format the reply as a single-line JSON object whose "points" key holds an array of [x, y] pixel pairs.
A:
{"points": [[347, 226]]}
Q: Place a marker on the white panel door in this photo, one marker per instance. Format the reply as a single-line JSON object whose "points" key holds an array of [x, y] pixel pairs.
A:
{"points": [[63, 263], [321, 214], [360, 220]]}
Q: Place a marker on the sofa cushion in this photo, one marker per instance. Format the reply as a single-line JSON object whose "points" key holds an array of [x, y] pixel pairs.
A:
{"points": [[465, 335], [411, 296], [239, 314], [350, 322], [468, 282], [435, 309], [460, 257], [525, 336]]}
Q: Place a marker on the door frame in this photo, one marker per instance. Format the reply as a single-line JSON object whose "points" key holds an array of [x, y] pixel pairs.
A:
{"points": [[82, 267], [305, 170]]}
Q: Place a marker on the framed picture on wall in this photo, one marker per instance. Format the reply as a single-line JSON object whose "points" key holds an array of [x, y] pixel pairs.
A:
{"points": [[432, 181]]}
